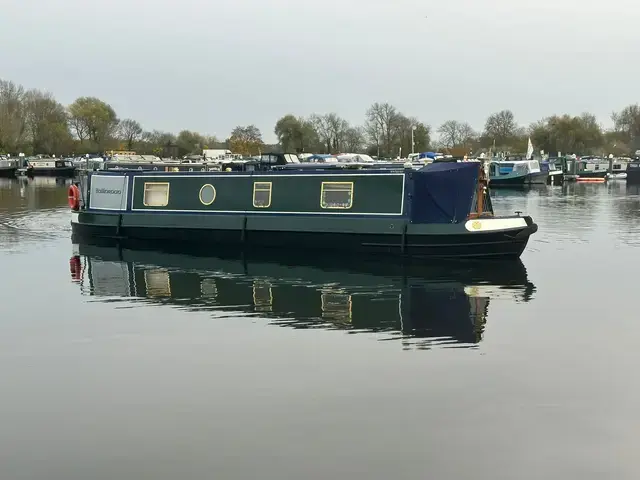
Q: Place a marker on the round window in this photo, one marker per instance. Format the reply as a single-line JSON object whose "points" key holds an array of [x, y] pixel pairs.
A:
{"points": [[207, 194]]}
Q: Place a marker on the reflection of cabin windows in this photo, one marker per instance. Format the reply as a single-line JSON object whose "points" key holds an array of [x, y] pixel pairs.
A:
{"points": [[156, 194], [337, 195], [208, 288], [262, 296], [207, 194], [336, 306], [262, 194], [157, 283]]}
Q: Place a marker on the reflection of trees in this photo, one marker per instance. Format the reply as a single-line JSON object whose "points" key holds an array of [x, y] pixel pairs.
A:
{"points": [[33, 194]]}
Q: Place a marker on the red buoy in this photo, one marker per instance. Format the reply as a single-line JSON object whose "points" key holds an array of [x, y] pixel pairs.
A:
{"points": [[74, 197]]}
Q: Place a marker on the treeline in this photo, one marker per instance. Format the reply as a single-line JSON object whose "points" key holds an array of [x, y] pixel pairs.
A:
{"points": [[387, 132], [32, 121]]}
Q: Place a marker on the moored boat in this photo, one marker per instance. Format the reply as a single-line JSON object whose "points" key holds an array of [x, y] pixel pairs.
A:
{"points": [[516, 173], [555, 174], [8, 168], [633, 172], [441, 210], [50, 167]]}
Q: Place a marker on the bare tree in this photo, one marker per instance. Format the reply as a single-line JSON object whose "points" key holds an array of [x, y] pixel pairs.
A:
{"points": [[354, 139], [456, 134], [501, 126], [385, 117], [323, 128], [130, 131]]}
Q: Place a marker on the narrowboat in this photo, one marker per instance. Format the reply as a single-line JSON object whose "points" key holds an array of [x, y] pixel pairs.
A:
{"points": [[441, 210], [633, 172], [516, 173], [8, 168], [50, 167], [618, 168], [442, 302], [585, 168], [150, 163], [555, 174]]}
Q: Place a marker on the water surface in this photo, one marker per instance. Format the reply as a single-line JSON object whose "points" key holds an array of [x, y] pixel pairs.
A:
{"points": [[121, 363]]}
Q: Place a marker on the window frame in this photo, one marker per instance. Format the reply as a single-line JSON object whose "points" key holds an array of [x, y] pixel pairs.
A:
{"points": [[144, 194], [215, 194], [323, 189], [256, 189]]}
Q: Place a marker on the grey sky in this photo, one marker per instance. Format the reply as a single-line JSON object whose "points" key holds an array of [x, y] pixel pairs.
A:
{"points": [[208, 66]]}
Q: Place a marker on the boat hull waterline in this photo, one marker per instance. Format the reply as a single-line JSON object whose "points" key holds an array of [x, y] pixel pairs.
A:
{"points": [[402, 213], [448, 241]]}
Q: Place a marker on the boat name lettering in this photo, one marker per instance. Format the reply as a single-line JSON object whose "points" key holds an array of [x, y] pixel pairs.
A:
{"points": [[109, 191]]}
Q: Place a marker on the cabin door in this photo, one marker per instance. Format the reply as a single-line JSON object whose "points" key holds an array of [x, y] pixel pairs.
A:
{"points": [[493, 170]]}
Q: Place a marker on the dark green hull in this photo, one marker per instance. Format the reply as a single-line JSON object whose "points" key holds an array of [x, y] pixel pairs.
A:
{"points": [[66, 172], [8, 172], [390, 213], [364, 236]]}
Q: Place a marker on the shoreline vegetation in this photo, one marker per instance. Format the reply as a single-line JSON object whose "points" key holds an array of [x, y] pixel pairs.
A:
{"points": [[34, 122]]}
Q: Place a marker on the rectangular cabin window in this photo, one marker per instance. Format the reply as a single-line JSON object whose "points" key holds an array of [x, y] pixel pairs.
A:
{"points": [[156, 194], [336, 195], [262, 194]]}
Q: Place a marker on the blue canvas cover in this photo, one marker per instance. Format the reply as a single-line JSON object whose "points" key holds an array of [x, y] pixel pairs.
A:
{"points": [[443, 192]]}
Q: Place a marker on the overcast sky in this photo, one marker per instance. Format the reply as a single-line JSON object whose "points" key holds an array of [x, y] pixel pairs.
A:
{"points": [[208, 66]]}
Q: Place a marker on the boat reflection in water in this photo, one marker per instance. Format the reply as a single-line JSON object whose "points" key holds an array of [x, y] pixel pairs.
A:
{"points": [[441, 304]]}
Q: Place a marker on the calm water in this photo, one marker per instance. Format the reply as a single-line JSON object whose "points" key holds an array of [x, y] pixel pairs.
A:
{"points": [[131, 364]]}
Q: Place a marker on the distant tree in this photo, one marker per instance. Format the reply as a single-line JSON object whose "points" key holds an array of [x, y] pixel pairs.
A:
{"points": [[454, 134], [422, 137], [12, 116], [383, 119], [246, 140], [627, 126], [331, 130], [46, 121], [295, 134], [501, 127], [156, 142], [373, 132], [568, 134], [130, 132], [91, 118], [354, 139], [190, 143]]}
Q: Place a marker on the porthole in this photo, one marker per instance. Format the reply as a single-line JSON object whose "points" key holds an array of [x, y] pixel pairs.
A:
{"points": [[202, 169], [191, 169], [207, 194]]}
